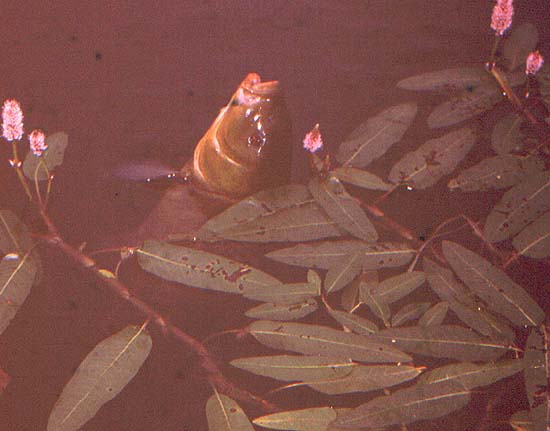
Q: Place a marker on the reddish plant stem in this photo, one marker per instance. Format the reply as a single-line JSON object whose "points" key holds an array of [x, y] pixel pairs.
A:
{"points": [[388, 222]]}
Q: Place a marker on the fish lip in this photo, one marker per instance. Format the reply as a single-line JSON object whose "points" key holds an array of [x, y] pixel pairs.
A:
{"points": [[254, 85]]}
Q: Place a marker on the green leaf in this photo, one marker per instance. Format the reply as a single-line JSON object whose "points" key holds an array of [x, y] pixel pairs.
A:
{"points": [[14, 235], [519, 44], [199, 268], [506, 136], [338, 277], [283, 294], [331, 195], [354, 323], [534, 240], [460, 78], [283, 312], [360, 178], [313, 419], [435, 315], [224, 414], [374, 137], [105, 371], [518, 207], [409, 312], [434, 159], [394, 288], [492, 285], [379, 309], [324, 341], [44, 165]]}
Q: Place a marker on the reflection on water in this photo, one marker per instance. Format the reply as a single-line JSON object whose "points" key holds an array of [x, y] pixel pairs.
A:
{"points": [[154, 90]]}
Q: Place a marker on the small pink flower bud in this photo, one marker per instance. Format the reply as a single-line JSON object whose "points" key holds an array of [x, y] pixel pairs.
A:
{"points": [[37, 142], [534, 63], [12, 120], [313, 140], [501, 19]]}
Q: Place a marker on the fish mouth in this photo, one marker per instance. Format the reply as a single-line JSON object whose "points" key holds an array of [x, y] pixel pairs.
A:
{"points": [[253, 84]]}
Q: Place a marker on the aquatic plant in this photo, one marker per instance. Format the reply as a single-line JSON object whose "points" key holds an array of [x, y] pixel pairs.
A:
{"points": [[362, 265]]}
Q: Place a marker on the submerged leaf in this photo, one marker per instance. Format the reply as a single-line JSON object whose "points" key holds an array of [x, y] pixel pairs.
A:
{"points": [[105, 371], [374, 137], [534, 240], [44, 165], [199, 268], [338, 277], [460, 78], [409, 312], [435, 315], [506, 136], [324, 341], [14, 235], [519, 44], [283, 311], [492, 285], [394, 288], [224, 414], [360, 178], [434, 159], [518, 207], [331, 195], [313, 419], [408, 405]]}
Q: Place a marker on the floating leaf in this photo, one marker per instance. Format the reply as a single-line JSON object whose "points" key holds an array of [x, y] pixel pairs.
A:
{"points": [[534, 240], [366, 378], [506, 136], [357, 324], [463, 304], [44, 165], [443, 341], [17, 274], [313, 419], [287, 213], [435, 315], [105, 371], [492, 285], [496, 172], [467, 104], [283, 294], [470, 375], [283, 312], [518, 207], [324, 341], [394, 288], [434, 159], [14, 235], [374, 137], [378, 308], [519, 44], [360, 178], [199, 269], [537, 376], [296, 368], [460, 78], [338, 277], [329, 254], [409, 312], [349, 297], [408, 405], [331, 195], [224, 414]]}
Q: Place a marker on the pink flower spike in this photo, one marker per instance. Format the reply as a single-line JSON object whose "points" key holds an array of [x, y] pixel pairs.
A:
{"points": [[501, 19], [534, 63], [37, 142], [313, 140], [12, 120]]}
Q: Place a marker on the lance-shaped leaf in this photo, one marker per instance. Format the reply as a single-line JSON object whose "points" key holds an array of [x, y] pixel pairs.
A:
{"points": [[313, 419], [537, 376], [471, 311], [374, 137], [44, 165], [434, 159], [470, 375], [522, 41], [443, 341], [349, 297], [506, 136], [366, 378], [199, 269], [283, 311], [408, 405], [283, 294], [518, 207], [324, 341], [360, 178], [379, 309], [338, 277], [331, 195], [224, 414], [435, 315], [291, 368], [534, 240], [354, 323], [409, 312], [394, 288], [492, 285], [14, 235], [287, 213], [17, 274], [460, 78], [105, 371], [496, 172], [329, 254]]}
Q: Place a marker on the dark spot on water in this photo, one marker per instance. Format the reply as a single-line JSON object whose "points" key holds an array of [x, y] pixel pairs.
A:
{"points": [[469, 88], [190, 93], [180, 374], [98, 55], [73, 38]]}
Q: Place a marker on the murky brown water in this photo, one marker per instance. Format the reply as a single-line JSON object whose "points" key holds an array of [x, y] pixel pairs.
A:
{"points": [[144, 82]]}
